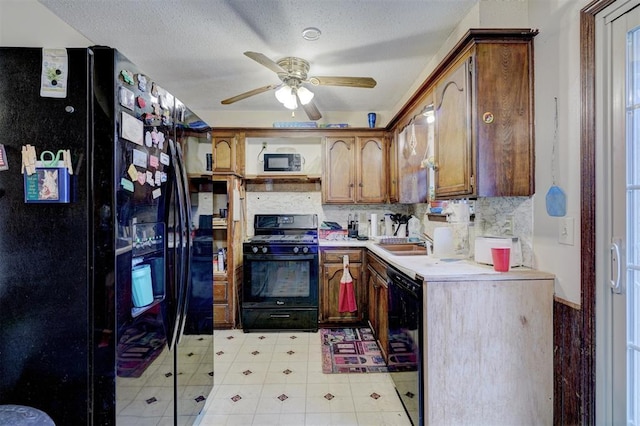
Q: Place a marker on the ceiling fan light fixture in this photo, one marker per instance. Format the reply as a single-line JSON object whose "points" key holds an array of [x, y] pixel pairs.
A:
{"points": [[293, 72], [291, 103], [305, 95], [283, 94], [287, 97]]}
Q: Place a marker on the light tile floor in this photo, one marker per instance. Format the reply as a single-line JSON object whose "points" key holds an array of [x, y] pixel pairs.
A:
{"points": [[277, 379]]}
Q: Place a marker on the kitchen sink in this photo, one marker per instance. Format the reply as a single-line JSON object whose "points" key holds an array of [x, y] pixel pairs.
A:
{"points": [[407, 249]]}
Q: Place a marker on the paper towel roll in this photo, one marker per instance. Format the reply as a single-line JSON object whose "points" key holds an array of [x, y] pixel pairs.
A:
{"points": [[374, 225], [442, 242], [388, 225]]}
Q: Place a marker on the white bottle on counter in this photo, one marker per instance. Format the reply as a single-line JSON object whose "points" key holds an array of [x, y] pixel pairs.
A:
{"points": [[373, 227], [414, 229], [388, 225]]}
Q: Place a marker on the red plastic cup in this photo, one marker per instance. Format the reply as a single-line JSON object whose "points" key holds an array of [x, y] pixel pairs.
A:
{"points": [[501, 258]]}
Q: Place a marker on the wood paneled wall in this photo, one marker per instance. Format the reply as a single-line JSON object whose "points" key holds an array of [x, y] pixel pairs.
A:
{"points": [[567, 364]]}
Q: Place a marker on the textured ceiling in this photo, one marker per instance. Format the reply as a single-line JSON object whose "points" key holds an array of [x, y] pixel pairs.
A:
{"points": [[194, 48]]}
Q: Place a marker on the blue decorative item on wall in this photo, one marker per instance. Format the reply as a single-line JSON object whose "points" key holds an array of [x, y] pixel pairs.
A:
{"points": [[556, 200]]}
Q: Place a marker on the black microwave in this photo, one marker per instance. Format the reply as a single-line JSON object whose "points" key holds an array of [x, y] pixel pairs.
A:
{"points": [[282, 162]]}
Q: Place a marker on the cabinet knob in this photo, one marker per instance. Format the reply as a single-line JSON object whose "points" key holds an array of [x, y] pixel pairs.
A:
{"points": [[360, 184]]}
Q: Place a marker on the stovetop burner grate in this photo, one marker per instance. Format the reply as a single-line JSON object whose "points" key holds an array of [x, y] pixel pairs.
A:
{"points": [[285, 239], [301, 229]]}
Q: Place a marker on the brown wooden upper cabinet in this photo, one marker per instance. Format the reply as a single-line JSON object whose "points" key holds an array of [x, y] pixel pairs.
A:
{"points": [[453, 150], [409, 148], [228, 154], [483, 144], [482, 96], [354, 170]]}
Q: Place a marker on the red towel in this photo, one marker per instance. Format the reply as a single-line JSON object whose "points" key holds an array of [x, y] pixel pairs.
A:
{"points": [[347, 295]]}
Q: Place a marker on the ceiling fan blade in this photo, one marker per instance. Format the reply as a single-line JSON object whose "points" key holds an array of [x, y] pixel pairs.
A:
{"points": [[249, 93], [366, 82], [310, 109], [265, 61]]}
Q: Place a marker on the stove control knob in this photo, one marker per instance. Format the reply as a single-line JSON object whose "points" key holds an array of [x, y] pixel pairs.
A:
{"points": [[305, 249], [296, 249], [264, 249], [254, 249]]}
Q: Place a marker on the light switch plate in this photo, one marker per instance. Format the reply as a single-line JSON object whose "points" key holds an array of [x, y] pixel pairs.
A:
{"points": [[565, 231]]}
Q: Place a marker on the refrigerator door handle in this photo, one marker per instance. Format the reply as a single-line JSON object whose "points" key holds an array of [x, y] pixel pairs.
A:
{"points": [[181, 244], [186, 285]]}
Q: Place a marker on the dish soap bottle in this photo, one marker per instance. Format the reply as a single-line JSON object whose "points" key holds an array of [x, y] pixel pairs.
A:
{"points": [[414, 229]]}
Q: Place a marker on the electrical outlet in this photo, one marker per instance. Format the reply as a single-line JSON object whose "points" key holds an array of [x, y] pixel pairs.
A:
{"points": [[565, 231], [508, 225], [264, 145]]}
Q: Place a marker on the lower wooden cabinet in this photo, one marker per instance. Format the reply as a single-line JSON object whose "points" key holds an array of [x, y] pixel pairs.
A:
{"points": [[222, 304], [488, 349], [330, 275], [378, 308]]}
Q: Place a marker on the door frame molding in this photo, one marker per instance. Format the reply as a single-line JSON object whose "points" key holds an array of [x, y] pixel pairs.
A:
{"points": [[588, 209]]}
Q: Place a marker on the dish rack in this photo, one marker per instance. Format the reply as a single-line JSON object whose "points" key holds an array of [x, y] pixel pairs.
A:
{"points": [[391, 240]]}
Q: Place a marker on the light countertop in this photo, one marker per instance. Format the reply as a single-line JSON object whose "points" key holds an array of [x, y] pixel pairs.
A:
{"points": [[430, 268]]}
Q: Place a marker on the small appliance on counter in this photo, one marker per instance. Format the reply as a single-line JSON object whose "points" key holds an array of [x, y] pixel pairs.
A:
{"points": [[483, 247]]}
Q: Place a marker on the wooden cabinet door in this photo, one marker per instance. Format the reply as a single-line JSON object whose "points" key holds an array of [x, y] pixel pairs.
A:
{"points": [[371, 170], [372, 306], [505, 151], [392, 188], [224, 154], [453, 155], [339, 171], [412, 176], [382, 309], [330, 292], [378, 309], [221, 306]]}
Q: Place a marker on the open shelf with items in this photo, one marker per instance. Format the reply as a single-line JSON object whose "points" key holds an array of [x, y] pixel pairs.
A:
{"points": [[218, 219]]}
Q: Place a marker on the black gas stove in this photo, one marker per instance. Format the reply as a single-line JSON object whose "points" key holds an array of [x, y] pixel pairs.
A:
{"points": [[286, 234], [280, 285]]}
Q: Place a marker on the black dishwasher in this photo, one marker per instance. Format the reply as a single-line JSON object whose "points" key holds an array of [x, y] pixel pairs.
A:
{"points": [[405, 341]]}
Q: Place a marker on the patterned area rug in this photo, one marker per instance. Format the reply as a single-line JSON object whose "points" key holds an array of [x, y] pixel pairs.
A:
{"points": [[350, 350]]}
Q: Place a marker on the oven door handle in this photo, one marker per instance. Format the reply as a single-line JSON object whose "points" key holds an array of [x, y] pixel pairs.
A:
{"points": [[282, 257]]}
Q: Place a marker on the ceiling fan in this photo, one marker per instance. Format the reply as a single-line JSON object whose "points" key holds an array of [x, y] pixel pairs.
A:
{"points": [[290, 92]]}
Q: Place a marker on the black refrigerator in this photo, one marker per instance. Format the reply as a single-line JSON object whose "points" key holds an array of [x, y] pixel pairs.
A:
{"points": [[95, 242]]}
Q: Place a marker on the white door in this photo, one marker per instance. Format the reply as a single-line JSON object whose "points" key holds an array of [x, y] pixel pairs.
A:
{"points": [[618, 207]]}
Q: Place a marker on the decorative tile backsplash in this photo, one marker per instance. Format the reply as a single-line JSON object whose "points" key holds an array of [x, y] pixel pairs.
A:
{"points": [[311, 202], [496, 217], [499, 216]]}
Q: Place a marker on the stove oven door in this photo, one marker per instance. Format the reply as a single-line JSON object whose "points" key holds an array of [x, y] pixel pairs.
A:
{"points": [[280, 291]]}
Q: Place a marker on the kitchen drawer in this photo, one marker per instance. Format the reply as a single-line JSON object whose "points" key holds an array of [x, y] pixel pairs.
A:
{"points": [[377, 264], [303, 319], [221, 314], [336, 256], [220, 291]]}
